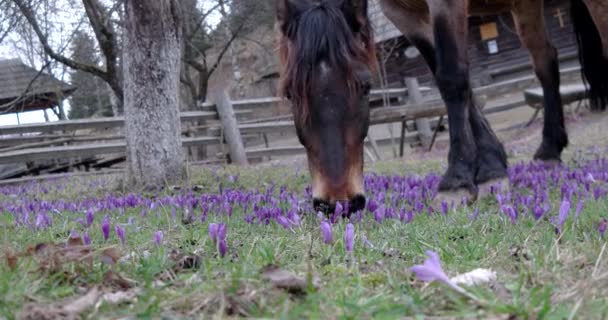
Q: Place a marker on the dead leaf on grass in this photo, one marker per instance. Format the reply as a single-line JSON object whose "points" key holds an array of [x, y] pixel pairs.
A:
{"points": [[114, 279], [51, 257], [110, 255], [11, 258], [286, 280], [184, 261], [66, 310]]}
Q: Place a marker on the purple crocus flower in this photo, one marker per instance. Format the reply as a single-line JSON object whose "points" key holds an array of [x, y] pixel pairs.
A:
{"points": [[339, 209], [213, 229], [579, 208], [349, 237], [90, 217], [221, 231], [564, 211], [431, 271], [602, 226], [105, 228], [379, 214], [223, 247], [473, 216], [444, 207], [158, 237], [284, 222], [326, 231], [120, 232]]}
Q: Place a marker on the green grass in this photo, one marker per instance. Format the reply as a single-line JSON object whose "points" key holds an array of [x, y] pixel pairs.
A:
{"points": [[539, 275]]}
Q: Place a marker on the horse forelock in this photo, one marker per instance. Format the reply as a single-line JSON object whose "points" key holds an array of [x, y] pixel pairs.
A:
{"points": [[319, 33]]}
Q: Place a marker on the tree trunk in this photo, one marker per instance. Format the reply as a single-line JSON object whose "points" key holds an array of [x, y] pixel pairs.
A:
{"points": [[152, 52]]}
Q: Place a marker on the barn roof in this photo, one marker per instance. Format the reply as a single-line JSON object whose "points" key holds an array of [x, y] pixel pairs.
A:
{"points": [[44, 92], [383, 28]]}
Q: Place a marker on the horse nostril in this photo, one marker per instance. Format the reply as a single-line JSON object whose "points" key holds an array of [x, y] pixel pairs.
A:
{"points": [[357, 203], [321, 205]]}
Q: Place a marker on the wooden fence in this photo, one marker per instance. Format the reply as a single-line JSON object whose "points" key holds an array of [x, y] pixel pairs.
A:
{"points": [[238, 132]]}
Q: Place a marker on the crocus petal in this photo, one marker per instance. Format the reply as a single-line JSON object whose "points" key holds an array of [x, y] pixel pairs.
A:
{"points": [[120, 232], [431, 269], [105, 227], [158, 237], [349, 237], [213, 229], [327, 232]]}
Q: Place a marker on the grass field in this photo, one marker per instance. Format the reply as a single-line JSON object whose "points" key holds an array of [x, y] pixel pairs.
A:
{"points": [[159, 260]]}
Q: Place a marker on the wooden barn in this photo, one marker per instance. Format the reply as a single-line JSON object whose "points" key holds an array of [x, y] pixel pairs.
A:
{"points": [[23, 89], [495, 51]]}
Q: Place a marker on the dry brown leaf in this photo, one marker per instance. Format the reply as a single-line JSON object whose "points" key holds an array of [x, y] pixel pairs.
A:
{"points": [[67, 310], [75, 241], [11, 258], [110, 255], [114, 279], [184, 261], [285, 280]]}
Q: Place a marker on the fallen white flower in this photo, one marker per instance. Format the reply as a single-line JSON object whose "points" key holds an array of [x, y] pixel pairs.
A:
{"points": [[475, 277]]}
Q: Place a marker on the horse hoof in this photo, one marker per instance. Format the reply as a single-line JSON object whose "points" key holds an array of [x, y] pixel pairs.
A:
{"points": [[492, 187], [457, 197]]}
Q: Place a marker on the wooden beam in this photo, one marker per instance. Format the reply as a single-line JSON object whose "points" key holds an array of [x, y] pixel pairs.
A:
{"points": [[84, 150], [422, 123], [230, 127], [96, 123]]}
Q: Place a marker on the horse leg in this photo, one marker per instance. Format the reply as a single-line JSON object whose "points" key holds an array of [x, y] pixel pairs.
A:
{"points": [[491, 160], [530, 25]]}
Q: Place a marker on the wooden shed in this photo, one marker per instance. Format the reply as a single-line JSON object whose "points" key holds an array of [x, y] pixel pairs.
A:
{"points": [[23, 89]]}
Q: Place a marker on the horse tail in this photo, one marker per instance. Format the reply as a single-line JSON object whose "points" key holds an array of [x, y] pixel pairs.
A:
{"points": [[594, 64]]}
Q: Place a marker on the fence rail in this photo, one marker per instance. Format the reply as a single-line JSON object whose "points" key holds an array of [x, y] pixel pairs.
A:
{"points": [[99, 143]]}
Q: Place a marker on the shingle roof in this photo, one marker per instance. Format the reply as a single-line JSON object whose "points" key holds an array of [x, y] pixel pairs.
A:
{"points": [[383, 28], [43, 93]]}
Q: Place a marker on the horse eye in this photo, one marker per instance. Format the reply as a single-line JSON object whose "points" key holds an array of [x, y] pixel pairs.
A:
{"points": [[366, 87]]}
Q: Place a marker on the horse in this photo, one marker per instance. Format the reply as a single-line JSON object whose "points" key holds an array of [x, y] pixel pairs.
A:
{"points": [[327, 57], [438, 29]]}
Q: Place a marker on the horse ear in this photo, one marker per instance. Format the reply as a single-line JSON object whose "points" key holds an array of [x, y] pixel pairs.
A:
{"points": [[285, 10]]}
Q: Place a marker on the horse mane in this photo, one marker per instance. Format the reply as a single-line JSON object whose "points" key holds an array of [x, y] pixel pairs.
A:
{"points": [[320, 32]]}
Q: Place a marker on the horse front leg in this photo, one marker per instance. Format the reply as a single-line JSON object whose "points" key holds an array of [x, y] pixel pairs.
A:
{"points": [[449, 22]]}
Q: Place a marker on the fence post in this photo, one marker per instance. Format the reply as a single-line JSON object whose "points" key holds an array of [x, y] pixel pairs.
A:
{"points": [[422, 124], [230, 127]]}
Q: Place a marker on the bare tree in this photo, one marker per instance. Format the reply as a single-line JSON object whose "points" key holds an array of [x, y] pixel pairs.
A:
{"points": [[99, 18], [153, 130], [197, 42]]}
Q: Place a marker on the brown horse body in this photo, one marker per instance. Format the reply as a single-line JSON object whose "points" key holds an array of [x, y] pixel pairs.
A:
{"points": [[438, 28], [326, 47]]}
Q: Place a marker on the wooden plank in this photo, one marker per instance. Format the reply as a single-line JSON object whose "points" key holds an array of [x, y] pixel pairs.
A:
{"points": [[230, 127], [569, 94], [275, 151], [84, 150], [96, 123], [427, 109], [422, 123], [48, 177]]}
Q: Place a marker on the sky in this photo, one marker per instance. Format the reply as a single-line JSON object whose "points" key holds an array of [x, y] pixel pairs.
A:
{"points": [[64, 23]]}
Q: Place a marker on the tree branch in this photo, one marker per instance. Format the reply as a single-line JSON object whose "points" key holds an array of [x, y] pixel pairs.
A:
{"points": [[31, 18], [233, 37]]}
